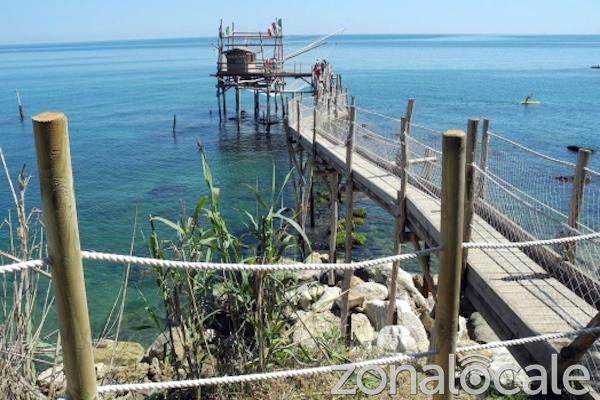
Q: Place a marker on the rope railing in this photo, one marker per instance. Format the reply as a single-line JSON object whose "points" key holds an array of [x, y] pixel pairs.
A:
{"points": [[398, 359], [157, 262]]}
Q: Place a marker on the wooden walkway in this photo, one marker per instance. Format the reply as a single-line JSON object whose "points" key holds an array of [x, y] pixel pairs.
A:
{"points": [[515, 295]]}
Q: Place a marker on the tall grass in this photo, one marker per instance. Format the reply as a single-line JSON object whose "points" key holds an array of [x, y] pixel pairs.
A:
{"points": [[25, 296]]}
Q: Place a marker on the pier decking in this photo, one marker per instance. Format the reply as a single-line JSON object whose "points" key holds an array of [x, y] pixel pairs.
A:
{"points": [[516, 295]]}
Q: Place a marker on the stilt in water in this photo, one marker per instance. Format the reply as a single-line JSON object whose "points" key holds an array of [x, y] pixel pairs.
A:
{"points": [[219, 104], [256, 104], [224, 103], [237, 104], [174, 123], [21, 113]]}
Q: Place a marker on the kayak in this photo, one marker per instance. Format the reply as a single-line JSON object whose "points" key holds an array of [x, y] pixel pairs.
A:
{"points": [[530, 102]]}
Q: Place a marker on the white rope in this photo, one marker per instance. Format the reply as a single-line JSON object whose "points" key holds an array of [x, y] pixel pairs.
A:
{"points": [[154, 262], [20, 266], [546, 242], [537, 153], [397, 359]]}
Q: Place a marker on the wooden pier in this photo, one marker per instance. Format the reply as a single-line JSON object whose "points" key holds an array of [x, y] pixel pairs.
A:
{"points": [[516, 292]]}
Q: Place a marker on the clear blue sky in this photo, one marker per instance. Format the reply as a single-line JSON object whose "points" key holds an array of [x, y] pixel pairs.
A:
{"points": [[84, 20]]}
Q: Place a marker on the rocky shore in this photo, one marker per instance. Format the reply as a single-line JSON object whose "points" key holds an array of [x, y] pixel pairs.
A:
{"points": [[313, 317]]}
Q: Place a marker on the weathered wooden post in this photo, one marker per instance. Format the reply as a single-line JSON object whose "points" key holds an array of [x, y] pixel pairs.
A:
{"points": [[349, 214], [574, 352], [483, 156], [334, 186], [238, 115], [298, 116], [256, 97], [268, 106], [400, 220], [20, 105], [60, 218], [583, 159], [219, 104], [313, 164], [452, 227], [470, 183], [224, 102], [174, 124]]}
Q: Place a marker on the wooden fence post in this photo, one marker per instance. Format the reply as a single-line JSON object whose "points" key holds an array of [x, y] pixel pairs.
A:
{"points": [[483, 156], [349, 214], [452, 227], [583, 159], [574, 352], [400, 220], [60, 217], [313, 163], [334, 185], [470, 183]]}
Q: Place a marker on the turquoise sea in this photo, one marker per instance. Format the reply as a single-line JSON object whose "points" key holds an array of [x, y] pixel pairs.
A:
{"points": [[120, 98]]}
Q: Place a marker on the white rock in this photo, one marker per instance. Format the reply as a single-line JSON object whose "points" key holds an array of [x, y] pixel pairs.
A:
{"points": [[463, 332], [480, 330], [376, 311], [396, 339], [361, 330], [325, 302], [502, 358], [408, 319], [364, 292], [305, 294], [315, 324]]}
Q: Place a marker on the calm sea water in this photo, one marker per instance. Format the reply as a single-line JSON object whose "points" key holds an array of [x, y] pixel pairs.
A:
{"points": [[120, 98]]}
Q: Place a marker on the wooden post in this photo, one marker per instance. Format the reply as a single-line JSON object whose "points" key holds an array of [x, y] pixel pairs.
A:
{"points": [[298, 116], [398, 229], [334, 186], [313, 163], [256, 104], [20, 105], [583, 158], [400, 220], [237, 103], [470, 183], [282, 106], [574, 352], [224, 102], [452, 227], [349, 214], [174, 124], [60, 217], [219, 104], [483, 157], [268, 106]]}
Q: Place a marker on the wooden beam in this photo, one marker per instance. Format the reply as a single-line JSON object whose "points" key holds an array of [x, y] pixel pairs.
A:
{"points": [[483, 156], [349, 214], [470, 183], [398, 230], [452, 228], [574, 352], [333, 193], [576, 204], [64, 251]]}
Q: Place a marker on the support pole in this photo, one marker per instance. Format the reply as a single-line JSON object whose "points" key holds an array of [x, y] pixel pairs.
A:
{"points": [[349, 214], [334, 186], [20, 105], [256, 104], [219, 103], [60, 217], [313, 164], [398, 229], [269, 106], [452, 227], [470, 183], [174, 124], [483, 157], [238, 115], [576, 204], [574, 352], [400, 220], [224, 102]]}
